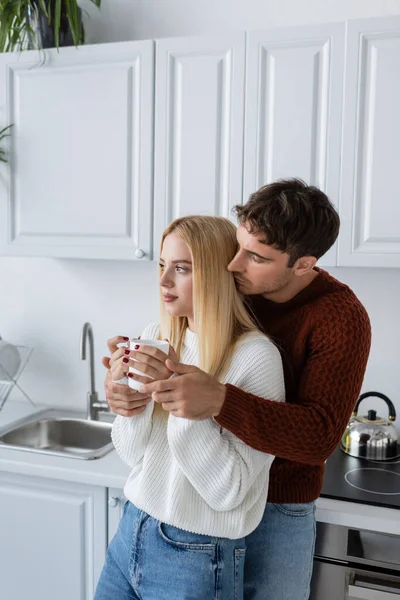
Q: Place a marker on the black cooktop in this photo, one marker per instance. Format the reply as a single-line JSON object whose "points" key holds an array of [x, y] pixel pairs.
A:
{"points": [[360, 480]]}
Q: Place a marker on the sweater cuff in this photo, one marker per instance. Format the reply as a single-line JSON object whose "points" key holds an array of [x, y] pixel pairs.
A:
{"points": [[233, 410]]}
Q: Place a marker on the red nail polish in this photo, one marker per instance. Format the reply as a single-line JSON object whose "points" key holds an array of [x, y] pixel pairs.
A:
{"points": [[127, 352], [130, 375], [137, 346], [125, 360], [125, 338]]}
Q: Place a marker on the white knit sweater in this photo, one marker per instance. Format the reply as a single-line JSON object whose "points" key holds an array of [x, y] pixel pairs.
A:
{"points": [[192, 474]]}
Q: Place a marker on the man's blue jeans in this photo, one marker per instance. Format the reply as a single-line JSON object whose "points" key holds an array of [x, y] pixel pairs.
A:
{"points": [[149, 560], [279, 553]]}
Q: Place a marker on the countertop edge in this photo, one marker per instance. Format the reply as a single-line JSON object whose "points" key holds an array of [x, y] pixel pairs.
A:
{"points": [[358, 516], [101, 478]]}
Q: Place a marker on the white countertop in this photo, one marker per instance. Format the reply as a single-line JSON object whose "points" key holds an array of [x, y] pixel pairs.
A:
{"points": [[110, 471]]}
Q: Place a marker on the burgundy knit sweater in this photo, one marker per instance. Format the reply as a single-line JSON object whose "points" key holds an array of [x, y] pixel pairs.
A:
{"points": [[324, 335]]}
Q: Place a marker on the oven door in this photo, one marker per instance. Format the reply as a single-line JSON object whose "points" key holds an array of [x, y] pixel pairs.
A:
{"points": [[339, 581]]}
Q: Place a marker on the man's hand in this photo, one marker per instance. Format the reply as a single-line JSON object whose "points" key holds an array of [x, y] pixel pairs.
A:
{"points": [[193, 395]]}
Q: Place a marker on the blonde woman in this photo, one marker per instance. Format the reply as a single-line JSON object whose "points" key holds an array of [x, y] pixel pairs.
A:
{"points": [[195, 490]]}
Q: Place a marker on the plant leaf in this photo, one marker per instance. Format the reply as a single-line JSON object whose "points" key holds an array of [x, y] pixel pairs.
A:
{"points": [[15, 29], [43, 7], [73, 18], [6, 25], [57, 22], [3, 134]]}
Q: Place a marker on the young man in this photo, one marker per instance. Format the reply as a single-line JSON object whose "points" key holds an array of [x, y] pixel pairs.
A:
{"points": [[324, 336]]}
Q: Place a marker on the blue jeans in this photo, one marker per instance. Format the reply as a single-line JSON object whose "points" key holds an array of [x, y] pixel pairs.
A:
{"points": [[149, 560], [279, 553]]}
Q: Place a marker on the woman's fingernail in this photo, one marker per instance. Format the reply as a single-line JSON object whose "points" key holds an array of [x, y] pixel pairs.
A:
{"points": [[125, 338], [125, 360], [127, 351], [137, 346], [130, 375]]}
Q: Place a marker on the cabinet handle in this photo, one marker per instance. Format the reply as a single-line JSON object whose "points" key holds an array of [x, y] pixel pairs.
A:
{"points": [[113, 501], [139, 253]]}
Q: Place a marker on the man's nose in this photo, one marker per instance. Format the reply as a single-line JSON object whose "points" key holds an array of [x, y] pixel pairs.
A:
{"points": [[234, 265]]}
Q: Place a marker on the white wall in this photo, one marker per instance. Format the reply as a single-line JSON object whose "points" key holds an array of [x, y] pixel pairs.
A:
{"points": [[379, 291], [121, 20], [44, 303]]}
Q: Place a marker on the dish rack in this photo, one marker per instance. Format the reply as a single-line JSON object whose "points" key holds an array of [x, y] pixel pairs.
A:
{"points": [[7, 385]]}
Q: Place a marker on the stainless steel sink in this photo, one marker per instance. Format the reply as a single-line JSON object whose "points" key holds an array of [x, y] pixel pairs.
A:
{"points": [[59, 433]]}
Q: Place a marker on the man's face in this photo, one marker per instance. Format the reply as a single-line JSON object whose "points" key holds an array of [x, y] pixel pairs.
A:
{"points": [[257, 268]]}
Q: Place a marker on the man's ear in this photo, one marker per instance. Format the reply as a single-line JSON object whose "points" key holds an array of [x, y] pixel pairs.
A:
{"points": [[304, 265]]}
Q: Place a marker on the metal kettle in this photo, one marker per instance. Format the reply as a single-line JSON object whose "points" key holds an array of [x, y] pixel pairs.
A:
{"points": [[371, 436]]}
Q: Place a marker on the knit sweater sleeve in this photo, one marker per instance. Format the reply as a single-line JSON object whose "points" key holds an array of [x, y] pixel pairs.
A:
{"points": [[309, 430], [130, 435], [221, 467]]}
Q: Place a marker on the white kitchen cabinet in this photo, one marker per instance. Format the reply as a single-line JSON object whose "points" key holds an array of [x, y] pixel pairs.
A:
{"points": [[293, 111], [86, 179], [199, 127], [370, 198], [80, 178], [53, 538]]}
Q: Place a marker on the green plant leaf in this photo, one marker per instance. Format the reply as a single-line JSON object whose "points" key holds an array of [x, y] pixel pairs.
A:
{"points": [[43, 7], [3, 134], [57, 22], [6, 25], [31, 34], [15, 29], [73, 18]]}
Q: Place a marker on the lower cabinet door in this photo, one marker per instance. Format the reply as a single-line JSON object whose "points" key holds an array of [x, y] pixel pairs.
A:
{"points": [[53, 538]]}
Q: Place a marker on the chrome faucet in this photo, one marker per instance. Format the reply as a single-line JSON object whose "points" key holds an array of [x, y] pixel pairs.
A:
{"points": [[94, 405]]}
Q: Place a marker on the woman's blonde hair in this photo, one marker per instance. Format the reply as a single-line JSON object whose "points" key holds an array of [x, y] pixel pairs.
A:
{"points": [[219, 313]]}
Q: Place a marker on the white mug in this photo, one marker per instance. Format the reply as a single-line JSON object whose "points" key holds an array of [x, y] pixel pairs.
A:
{"points": [[162, 345], [10, 361]]}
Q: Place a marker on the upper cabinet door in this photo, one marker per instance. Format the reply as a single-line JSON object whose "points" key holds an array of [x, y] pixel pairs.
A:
{"points": [[293, 113], [370, 202], [79, 182], [199, 127]]}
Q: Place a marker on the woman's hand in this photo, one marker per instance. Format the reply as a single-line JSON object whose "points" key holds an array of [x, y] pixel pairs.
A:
{"points": [[119, 361], [121, 399], [151, 362]]}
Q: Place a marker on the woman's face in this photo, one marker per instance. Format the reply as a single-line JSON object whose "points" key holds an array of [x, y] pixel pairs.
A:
{"points": [[176, 277]]}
